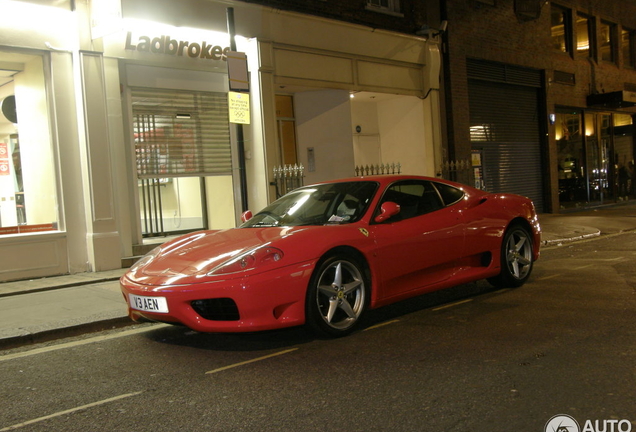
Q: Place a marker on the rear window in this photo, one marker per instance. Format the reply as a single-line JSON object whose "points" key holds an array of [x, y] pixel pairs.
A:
{"points": [[450, 195]]}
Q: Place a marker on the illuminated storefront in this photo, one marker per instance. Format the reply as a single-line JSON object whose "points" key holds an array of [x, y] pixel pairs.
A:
{"points": [[117, 129], [36, 83], [27, 184], [595, 157]]}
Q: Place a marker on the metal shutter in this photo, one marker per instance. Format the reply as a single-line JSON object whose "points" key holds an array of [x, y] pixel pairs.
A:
{"points": [[180, 133], [505, 127]]}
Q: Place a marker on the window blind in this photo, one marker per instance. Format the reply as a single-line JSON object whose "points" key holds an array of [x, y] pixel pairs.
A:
{"points": [[180, 133]]}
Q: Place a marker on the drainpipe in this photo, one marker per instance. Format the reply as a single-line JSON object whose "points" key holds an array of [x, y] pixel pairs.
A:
{"points": [[238, 127], [432, 84]]}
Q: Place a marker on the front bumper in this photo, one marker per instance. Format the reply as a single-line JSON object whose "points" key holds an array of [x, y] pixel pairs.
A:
{"points": [[265, 301]]}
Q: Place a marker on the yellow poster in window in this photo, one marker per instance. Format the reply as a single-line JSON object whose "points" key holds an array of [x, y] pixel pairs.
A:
{"points": [[239, 107]]}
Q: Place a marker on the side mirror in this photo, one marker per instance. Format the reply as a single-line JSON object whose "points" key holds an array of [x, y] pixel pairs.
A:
{"points": [[247, 215], [387, 211]]}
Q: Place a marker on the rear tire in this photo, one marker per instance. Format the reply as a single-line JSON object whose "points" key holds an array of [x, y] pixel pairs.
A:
{"points": [[337, 296], [516, 258]]}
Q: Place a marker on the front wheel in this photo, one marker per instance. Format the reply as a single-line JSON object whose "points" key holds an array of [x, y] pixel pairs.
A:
{"points": [[516, 258], [336, 296]]}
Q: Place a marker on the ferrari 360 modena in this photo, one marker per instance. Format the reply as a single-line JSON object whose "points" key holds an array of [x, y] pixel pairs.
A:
{"points": [[324, 254]]}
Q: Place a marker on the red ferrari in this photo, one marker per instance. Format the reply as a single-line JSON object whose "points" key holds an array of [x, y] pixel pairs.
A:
{"points": [[323, 254]]}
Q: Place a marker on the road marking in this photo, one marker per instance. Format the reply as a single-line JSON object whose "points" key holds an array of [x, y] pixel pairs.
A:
{"points": [[502, 290], [250, 361], [69, 411], [549, 277], [81, 342], [452, 304], [583, 267], [381, 325]]}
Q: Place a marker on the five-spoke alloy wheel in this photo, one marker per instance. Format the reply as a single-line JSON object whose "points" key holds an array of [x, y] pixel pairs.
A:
{"points": [[336, 296], [516, 258]]}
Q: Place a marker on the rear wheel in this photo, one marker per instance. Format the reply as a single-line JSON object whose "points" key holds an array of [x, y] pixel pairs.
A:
{"points": [[336, 296], [516, 258]]}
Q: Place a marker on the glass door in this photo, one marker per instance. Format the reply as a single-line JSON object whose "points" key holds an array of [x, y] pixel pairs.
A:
{"points": [[596, 158], [573, 191], [623, 137]]}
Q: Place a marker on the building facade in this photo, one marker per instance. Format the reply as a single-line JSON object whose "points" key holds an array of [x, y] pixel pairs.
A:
{"points": [[540, 98], [538, 95], [116, 125]]}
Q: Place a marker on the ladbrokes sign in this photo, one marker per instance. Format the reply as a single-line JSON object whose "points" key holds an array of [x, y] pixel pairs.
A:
{"points": [[164, 44]]}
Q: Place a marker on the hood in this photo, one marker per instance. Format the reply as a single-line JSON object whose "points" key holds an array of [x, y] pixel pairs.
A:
{"points": [[200, 252]]}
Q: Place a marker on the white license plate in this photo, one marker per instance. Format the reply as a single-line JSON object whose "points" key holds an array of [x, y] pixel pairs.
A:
{"points": [[148, 304]]}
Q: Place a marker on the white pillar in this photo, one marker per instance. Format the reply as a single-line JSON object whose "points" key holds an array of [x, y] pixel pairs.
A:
{"points": [[432, 106]]}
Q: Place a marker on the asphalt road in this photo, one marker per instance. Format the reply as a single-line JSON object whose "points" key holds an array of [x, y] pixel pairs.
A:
{"points": [[466, 359]]}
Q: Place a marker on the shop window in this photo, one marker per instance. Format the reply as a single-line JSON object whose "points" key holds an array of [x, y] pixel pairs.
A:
{"points": [[625, 174], [607, 42], [571, 159], [595, 157], [384, 5], [28, 200], [627, 47], [560, 28], [584, 30]]}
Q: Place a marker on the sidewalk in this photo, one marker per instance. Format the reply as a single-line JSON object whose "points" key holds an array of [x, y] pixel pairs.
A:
{"points": [[48, 308], [43, 309]]}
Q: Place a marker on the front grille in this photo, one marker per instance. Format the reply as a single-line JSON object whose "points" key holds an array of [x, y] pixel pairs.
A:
{"points": [[218, 309]]}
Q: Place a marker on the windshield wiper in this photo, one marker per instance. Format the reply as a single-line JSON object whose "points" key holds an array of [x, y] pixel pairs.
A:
{"points": [[263, 224]]}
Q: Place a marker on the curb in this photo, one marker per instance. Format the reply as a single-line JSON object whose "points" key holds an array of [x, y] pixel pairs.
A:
{"points": [[557, 242], [60, 286], [65, 332]]}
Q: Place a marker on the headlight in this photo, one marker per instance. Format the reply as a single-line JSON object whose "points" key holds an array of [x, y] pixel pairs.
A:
{"points": [[146, 259], [252, 259]]}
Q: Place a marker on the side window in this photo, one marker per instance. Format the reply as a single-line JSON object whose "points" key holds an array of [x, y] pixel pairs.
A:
{"points": [[347, 210], [450, 195], [414, 197]]}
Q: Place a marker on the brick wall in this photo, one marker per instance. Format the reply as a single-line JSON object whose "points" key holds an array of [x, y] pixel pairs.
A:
{"points": [[497, 33], [413, 15]]}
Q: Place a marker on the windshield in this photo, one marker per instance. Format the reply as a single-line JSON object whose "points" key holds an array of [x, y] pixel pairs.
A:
{"points": [[331, 203]]}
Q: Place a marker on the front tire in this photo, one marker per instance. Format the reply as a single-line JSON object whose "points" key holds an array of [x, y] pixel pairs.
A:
{"points": [[516, 258], [337, 296]]}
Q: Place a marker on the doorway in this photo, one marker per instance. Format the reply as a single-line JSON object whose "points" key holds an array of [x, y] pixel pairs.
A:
{"points": [[181, 138]]}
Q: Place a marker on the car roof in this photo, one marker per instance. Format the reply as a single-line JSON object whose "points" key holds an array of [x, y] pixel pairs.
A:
{"points": [[391, 178]]}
